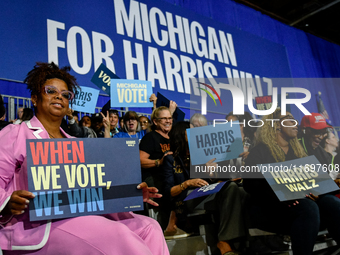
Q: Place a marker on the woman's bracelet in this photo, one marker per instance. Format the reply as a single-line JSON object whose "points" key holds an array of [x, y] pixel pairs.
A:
{"points": [[182, 186]]}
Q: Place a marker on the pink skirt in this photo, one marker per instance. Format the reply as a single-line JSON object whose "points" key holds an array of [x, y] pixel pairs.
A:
{"points": [[119, 234]]}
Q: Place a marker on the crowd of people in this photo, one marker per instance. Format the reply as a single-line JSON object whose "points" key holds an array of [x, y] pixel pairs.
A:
{"points": [[165, 168]]}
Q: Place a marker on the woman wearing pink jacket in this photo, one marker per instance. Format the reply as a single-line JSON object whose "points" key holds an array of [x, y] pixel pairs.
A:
{"points": [[120, 233]]}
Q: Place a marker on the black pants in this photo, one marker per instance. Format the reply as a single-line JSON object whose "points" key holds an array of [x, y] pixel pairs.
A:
{"points": [[302, 222], [229, 204]]}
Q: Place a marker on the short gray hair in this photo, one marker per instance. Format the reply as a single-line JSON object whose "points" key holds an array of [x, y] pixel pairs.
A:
{"points": [[200, 118]]}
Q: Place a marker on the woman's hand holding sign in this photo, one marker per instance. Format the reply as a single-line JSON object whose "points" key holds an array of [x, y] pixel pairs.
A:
{"points": [[195, 183], [292, 203], [153, 99], [244, 155], [312, 197], [172, 106], [18, 202], [337, 181]]}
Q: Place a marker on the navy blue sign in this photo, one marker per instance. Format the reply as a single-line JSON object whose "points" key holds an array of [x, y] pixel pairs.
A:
{"points": [[73, 177], [294, 179], [102, 78], [205, 190], [178, 115]]}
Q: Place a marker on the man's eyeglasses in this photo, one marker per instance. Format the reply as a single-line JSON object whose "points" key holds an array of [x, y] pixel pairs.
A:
{"points": [[144, 122], [165, 118], [51, 90]]}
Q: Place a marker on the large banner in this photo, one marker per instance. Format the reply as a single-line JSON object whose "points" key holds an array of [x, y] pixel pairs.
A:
{"points": [[73, 177], [138, 40]]}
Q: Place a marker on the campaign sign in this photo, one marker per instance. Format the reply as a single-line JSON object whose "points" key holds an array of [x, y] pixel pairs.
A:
{"points": [[223, 142], [205, 190], [263, 103], [73, 177], [131, 93], [294, 179], [178, 115], [85, 100], [102, 78]]}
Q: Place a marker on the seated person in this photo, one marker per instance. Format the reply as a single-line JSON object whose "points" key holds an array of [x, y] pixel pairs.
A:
{"points": [[228, 203], [118, 233], [314, 129], [301, 219]]}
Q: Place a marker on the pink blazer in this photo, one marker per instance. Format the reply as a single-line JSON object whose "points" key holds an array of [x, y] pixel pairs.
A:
{"points": [[17, 232]]}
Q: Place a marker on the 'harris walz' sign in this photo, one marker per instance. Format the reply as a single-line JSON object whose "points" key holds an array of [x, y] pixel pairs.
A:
{"points": [[85, 100], [222, 142], [73, 177], [294, 179]]}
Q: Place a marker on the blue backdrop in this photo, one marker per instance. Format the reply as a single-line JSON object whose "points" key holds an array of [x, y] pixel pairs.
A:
{"points": [[263, 46]]}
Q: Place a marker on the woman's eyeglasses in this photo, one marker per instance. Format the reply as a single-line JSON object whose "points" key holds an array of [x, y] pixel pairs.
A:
{"points": [[165, 118], [51, 90]]}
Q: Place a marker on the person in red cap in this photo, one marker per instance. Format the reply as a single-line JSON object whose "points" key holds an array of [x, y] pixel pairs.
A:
{"points": [[314, 129]]}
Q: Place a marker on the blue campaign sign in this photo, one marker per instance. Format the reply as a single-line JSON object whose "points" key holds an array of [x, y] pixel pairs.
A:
{"points": [[223, 142], [294, 179], [205, 190], [149, 40], [102, 78], [85, 100], [130, 93], [73, 177]]}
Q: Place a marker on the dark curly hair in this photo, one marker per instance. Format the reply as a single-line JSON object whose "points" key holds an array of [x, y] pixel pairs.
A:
{"points": [[42, 72]]}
